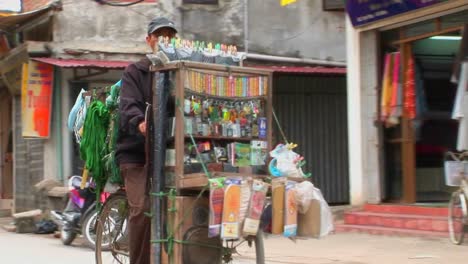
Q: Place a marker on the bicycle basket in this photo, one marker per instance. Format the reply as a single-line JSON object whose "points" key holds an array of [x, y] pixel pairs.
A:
{"points": [[454, 172]]}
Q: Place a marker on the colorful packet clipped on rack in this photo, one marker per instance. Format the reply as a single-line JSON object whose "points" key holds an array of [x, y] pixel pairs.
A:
{"points": [[290, 212], [257, 202], [216, 206], [231, 209]]}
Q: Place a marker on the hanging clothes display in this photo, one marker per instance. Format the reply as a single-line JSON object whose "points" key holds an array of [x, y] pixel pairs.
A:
{"points": [[391, 97], [398, 98], [386, 89], [460, 109], [395, 102], [410, 90]]}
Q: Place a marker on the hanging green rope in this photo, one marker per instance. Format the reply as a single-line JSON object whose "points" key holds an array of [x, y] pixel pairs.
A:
{"points": [[93, 143], [112, 103]]}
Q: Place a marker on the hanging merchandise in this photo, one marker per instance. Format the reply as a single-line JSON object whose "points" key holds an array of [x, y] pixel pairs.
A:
{"points": [[395, 102], [290, 211], [112, 103], [231, 209], [386, 88], [216, 206], [94, 141], [410, 90], [460, 109], [252, 222], [77, 115]]}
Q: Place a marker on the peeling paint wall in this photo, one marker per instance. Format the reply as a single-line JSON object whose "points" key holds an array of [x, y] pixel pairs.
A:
{"points": [[301, 29], [86, 29]]}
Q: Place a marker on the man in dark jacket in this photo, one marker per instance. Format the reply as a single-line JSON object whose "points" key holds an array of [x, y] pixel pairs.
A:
{"points": [[130, 154]]}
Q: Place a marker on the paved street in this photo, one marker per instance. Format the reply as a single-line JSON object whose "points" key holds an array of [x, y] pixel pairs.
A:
{"points": [[338, 248], [40, 249]]}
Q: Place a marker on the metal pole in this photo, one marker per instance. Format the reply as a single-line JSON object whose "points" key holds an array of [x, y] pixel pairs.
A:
{"points": [[158, 150]]}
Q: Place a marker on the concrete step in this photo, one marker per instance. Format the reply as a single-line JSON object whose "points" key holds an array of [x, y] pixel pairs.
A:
{"points": [[388, 231], [403, 221], [406, 209]]}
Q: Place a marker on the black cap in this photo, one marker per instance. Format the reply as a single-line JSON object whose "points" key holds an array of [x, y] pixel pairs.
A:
{"points": [[160, 22]]}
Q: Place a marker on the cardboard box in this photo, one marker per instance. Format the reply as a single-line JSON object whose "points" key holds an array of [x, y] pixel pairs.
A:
{"points": [[308, 224]]}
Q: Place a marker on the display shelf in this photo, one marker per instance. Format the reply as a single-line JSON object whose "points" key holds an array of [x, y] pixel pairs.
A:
{"points": [[225, 138], [199, 180], [182, 90]]}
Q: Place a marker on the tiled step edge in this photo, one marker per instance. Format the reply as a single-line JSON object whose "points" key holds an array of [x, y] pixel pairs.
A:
{"points": [[416, 222], [406, 209], [378, 230]]}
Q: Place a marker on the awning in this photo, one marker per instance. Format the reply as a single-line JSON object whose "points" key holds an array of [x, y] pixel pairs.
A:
{"points": [[306, 70], [32, 9], [75, 63]]}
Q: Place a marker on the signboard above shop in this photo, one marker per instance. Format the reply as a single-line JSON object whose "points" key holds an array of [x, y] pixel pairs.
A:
{"points": [[362, 12]]}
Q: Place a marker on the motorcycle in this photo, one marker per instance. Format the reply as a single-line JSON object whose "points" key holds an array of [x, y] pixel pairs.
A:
{"points": [[80, 214]]}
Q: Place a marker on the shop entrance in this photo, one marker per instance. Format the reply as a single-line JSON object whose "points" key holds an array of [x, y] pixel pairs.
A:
{"points": [[6, 145], [416, 103]]}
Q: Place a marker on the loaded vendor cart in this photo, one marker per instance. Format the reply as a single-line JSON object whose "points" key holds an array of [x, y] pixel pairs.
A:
{"points": [[210, 138]]}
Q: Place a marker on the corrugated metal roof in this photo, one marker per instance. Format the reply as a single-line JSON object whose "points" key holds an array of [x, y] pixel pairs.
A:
{"points": [[316, 70], [74, 63]]}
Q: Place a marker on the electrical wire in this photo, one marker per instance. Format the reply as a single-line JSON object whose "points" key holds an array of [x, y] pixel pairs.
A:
{"points": [[118, 3]]}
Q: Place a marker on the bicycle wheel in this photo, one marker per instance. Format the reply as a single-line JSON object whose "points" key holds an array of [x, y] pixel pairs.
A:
{"points": [[457, 217], [245, 251], [111, 231]]}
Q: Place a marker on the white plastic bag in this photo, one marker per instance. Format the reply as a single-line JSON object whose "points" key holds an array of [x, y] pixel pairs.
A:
{"points": [[304, 194]]}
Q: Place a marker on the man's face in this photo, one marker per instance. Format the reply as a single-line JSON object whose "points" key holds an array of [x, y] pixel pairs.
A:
{"points": [[152, 38]]}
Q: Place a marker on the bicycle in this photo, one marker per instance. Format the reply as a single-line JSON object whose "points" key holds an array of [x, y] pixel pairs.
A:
{"points": [[112, 238], [111, 230], [457, 175]]}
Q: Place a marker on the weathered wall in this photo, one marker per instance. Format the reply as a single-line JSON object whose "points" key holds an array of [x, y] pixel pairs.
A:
{"points": [[28, 164], [301, 29], [86, 29]]}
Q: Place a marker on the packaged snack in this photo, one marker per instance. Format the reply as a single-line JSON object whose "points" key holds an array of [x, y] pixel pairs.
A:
{"points": [[290, 211], [231, 209], [257, 202], [216, 206]]}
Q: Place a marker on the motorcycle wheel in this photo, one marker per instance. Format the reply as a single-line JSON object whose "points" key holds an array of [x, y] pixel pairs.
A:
{"points": [[88, 229], [67, 237]]}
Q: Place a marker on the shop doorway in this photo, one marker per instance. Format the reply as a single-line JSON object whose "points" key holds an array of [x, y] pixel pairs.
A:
{"points": [[416, 144], [6, 145]]}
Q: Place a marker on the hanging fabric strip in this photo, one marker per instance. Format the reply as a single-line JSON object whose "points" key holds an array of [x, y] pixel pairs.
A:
{"points": [[386, 89], [410, 91], [394, 113]]}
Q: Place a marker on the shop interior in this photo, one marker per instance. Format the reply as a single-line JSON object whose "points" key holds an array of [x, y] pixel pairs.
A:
{"points": [[431, 130]]}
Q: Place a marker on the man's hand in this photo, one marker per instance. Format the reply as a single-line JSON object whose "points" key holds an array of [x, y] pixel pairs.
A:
{"points": [[142, 127]]}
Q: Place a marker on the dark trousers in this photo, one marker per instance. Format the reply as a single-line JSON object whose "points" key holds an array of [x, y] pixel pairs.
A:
{"points": [[135, 178]]}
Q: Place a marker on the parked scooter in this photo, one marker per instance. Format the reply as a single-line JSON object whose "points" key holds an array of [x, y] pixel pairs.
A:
{"points": [[79, 215]]}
